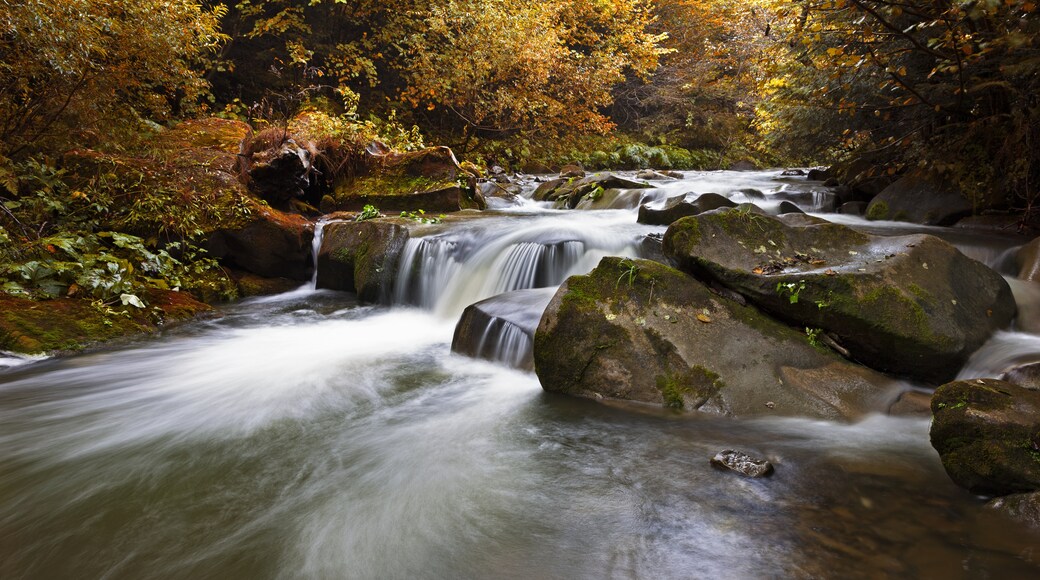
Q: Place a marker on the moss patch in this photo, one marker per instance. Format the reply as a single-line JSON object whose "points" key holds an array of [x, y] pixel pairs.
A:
{"points": [[878, 210], [697, 382], [68, 324]]}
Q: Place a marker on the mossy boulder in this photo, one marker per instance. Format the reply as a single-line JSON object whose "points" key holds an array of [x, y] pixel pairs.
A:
{"points": [[361, 257], [920, 198], [911, 305], [501, 328], [677, 208], [641, 331], [271, 243], [430, 179], [987, 433], [70, 324]]}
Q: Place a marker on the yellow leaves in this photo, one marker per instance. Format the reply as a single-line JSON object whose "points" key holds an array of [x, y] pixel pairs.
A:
{"points": [[836, 51], [704, 318]]}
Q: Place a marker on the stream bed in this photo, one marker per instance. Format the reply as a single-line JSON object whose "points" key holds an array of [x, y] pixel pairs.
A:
{"points": [[306, 436]]}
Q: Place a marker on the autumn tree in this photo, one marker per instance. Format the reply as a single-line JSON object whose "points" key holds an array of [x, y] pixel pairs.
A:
{"points": [[458, 67], [704, 92], [947, 85], [75, 70]]}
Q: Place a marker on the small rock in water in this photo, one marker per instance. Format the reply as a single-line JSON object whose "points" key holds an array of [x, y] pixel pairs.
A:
{"points": [[742, 463]]}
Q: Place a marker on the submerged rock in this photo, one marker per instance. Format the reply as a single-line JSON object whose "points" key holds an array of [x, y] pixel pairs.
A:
{"points": [[987, 433], [641, 331], [361, 257], [1023, 508], [912, 305], [742, 463], [501, 328]]}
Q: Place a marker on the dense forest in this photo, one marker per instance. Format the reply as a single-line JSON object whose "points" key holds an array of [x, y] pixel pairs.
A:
{"points": [[885, 87]]}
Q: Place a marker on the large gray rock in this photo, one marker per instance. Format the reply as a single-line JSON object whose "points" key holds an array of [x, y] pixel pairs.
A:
{"points": [[911, 305], [987, 433], [361, 257], [677, 208], [640, 331], [922, 199], [501, 328]]}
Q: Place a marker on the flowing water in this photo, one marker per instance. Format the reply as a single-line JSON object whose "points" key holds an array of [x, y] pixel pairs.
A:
{"points": [[305, 436]]}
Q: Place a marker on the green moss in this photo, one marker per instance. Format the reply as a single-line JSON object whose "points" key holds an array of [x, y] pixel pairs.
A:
{"points": [[684, 234], [878, 210], [697, 381], [920, 293], [896, 306], [389, 185]]}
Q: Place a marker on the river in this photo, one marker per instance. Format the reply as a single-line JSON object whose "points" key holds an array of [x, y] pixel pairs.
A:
{"points": [[305, 436]]}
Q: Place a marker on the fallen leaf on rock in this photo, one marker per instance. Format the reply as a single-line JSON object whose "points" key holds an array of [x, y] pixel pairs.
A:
{"points": [[704, 318]]}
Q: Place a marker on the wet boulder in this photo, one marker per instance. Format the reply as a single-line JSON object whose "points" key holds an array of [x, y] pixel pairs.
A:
{"points": [[641, 331], [499, 195], [1023, 508], [569, 171], [786, 207], [361, 257], [920, 198], [501, 328], [547, 189], [651, 175], [277, 169], [742, 463], [567, 193], [1026, 376], [911, 305], [677, 208], [818, 174], [987, 433], [270, 243]]}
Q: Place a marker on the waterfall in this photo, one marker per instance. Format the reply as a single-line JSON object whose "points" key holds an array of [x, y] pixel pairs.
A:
{"points": [[319, 234], [447, 272], [505, 342]]}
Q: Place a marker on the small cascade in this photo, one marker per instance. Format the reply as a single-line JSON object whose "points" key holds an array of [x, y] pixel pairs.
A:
{"points": [[447, 272], [427, 266], [820, 199], [502, 328], [506, 343], [319, 234]]}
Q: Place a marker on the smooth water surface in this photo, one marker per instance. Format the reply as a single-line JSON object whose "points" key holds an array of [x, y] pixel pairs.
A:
{"points": [[304, 436]]}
